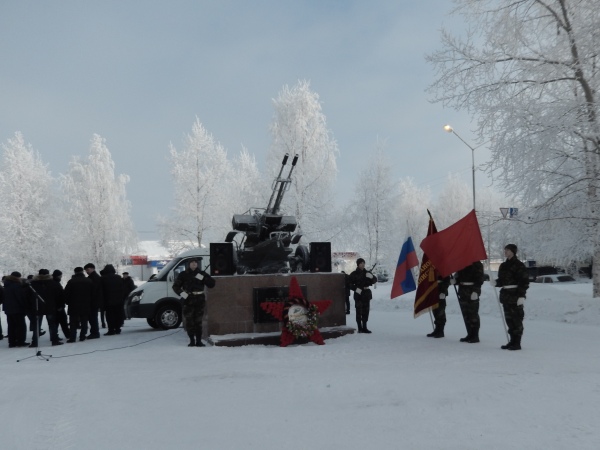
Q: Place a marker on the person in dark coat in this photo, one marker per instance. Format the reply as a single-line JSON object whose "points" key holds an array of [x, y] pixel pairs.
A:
{"points": [[78, 295], [33, 319], [469, 281], [61, 313], [361, 281], [49, 292], [190, 284], [514, 282], [129, 286], [439, 313], [113, 290], [97, 300], [15, 308]]}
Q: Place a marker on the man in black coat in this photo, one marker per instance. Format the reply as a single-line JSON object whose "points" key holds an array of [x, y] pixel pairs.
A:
{"points": [[15, 308], [361, 281], [61, 314], [96, 303], [113, 290], [49, 292], [129, 286], [78, 295], [190, 285]]}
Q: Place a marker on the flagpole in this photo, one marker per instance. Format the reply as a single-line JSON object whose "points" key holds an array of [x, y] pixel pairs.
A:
{"points": [[461, 312], [500, 308]]}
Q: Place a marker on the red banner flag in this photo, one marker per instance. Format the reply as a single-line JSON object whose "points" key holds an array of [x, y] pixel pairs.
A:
{"points": [[427, 295], [456, 247]]}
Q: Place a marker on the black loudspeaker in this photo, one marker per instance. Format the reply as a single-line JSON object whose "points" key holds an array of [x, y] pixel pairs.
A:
{"points": [[320, 256], [222, 260]]}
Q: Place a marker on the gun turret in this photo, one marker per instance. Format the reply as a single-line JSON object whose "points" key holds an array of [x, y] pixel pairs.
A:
{"points": [[265, 247]]}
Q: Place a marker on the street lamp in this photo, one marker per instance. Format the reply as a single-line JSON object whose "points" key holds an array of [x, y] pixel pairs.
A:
{"points": [[449, 129]]}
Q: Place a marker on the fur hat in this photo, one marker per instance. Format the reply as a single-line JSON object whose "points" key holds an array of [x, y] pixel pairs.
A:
{"points": [[44, 272], [57, 273], [89, 266], [16, 274], [512, 248], [359, 260], [78, 269]]}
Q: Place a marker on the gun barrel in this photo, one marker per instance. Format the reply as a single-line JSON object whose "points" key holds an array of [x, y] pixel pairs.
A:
{"points": [[283, 163], [283, 186]]}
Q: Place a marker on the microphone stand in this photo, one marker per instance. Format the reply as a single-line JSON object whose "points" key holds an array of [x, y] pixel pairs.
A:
{"points": [[38, 352]]}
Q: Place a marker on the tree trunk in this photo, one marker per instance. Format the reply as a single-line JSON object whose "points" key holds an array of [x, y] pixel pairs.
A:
{"points": [[596, 270]]}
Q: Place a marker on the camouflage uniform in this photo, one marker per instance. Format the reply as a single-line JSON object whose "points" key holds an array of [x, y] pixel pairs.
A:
{"points": [[439, 313], [470, 280], [193, 282], [514, 281], [362, 300]]}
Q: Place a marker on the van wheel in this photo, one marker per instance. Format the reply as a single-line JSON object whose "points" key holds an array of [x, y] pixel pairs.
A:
{"points": [[168, 317], [152, 322]]}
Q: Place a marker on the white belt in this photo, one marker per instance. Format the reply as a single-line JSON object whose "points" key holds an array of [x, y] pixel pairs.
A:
{"points": [[467, 284], [512, 286], [197, 292]]}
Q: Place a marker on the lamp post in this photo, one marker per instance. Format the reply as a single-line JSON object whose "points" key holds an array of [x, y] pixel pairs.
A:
{"points": [[449, 129]]}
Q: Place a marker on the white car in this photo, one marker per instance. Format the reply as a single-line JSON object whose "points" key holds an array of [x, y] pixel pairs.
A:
{"points": [[559, 278]]}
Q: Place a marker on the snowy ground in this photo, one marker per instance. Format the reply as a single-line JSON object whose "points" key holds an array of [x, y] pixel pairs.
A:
{"points": [[393, 389]]}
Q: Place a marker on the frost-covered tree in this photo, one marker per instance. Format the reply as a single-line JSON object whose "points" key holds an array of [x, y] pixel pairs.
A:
{"points": [[97, 208], [453, 202], [410, 213], [28, 239], [203, 193], [300, 127], [371, 207], [248, 186], [528, 71]]}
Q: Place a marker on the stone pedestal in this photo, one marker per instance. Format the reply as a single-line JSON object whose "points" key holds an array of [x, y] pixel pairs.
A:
{"points": [[230, 305]]}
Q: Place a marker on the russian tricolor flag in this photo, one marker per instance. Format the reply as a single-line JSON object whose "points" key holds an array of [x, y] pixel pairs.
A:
{"points": [[403, 278]]}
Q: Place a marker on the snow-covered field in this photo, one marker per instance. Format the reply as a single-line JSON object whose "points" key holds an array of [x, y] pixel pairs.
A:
{"points": [[393, 389]]}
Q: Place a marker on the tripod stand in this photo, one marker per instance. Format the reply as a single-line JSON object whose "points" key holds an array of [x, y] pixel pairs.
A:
{"points": [[36, 333]]}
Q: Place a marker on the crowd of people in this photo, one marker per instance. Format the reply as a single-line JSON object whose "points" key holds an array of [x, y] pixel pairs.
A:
{"points": [[84, 298], [87, 301]]}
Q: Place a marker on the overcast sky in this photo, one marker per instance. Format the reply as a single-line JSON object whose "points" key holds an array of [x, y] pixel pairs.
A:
{"points": [[139, 73]]}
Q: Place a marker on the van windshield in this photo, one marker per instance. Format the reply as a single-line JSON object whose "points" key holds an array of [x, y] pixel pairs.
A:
{"points": [[162, 275]]}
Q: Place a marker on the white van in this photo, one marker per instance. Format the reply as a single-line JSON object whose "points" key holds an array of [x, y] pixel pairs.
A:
{"points": [[155, 300]]}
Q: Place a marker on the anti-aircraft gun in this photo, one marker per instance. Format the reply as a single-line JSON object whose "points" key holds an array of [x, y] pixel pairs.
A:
{"points": [[266, 246]]}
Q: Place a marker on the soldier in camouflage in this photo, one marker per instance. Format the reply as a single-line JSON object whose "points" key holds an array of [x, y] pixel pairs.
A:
{"points": [[360, 282], [439, 313], [190, 285], [514, 282], [469, 280]]}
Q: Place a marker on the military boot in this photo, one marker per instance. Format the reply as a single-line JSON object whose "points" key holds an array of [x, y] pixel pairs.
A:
{"points": [[192, 340], [467, 337], [515, 344], [365, 329], [438, 332], [360, 327], [474, 339], [505, 346], [199, 342]]}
